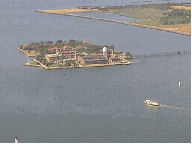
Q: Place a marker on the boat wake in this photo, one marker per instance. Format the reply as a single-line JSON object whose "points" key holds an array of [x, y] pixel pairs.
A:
{"points": [[169, 106]]}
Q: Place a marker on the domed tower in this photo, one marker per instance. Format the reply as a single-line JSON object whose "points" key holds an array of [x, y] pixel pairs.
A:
{"points": [[104, 51]]}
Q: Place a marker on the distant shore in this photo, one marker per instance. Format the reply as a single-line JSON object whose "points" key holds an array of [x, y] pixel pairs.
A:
{"points": [[184, 29]]}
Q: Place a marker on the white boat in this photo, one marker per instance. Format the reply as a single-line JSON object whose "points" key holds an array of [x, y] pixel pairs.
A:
{"points": [[16, 140], [151, 103]]}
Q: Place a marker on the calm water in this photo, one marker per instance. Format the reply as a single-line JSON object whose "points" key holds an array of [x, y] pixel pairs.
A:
{"points": [[92, 104], [108, 16]]}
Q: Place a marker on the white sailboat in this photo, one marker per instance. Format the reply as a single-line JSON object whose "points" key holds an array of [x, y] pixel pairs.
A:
{"points": [[179, 83]]}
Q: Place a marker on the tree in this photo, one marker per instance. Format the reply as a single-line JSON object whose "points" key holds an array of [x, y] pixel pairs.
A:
{"points": [[44, 61], [59, 41], [21, 46], [67, 64], [112, 47], [72, 43], [49, 42]]}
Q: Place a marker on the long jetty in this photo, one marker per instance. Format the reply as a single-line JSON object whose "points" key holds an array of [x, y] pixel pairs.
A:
{"points": [[162, 54], [119, 22], [90, 17]]}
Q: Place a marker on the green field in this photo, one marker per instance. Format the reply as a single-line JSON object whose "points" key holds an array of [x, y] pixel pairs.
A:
{"points": [[140, 13], [172, 17]]}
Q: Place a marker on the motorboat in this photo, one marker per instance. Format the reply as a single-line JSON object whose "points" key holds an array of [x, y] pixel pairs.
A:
{"points": [[151, 103], [16, 140]]}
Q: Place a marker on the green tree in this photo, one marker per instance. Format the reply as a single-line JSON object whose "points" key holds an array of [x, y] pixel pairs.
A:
{"points": [[112, 47], [72, 43], [49, 42], [59, 41], [67, 63], [44, 61], [21, 46]]}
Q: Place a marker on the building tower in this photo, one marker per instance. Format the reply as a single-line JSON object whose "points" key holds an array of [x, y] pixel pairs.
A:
{"points": [[104, 51], [112, 52], [75, 55]]}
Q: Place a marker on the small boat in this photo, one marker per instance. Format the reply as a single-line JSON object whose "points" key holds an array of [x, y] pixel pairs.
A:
{"points": [[151, 103], [16, 140]]}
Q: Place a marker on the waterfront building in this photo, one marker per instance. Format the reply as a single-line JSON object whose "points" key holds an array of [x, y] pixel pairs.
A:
{"points": [[54, 58], [67, 54], [104, 50], [91, 59], [115, 59]]}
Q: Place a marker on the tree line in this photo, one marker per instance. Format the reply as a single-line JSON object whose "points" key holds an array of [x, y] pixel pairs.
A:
{"points": [[176, 16]]}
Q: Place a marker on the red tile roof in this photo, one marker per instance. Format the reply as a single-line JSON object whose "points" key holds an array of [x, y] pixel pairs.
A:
{"points": [[98, 53], [55, 48], [79, 47], [69, 52], [66, 47]]}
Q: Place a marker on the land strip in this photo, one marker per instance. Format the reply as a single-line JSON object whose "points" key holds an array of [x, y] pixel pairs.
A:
{"points": [[158, 16], [182, 7], [74, 54], [29, 53], [65, 11]]}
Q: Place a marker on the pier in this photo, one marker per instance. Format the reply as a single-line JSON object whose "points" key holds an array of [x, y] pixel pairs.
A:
{"points": [[162, 54]]}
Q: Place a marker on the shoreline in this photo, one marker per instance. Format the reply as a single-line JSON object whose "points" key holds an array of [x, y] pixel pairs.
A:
{"points": [[62, 58], [172, 30], [94, 65], [25, 53], [183, 29]]}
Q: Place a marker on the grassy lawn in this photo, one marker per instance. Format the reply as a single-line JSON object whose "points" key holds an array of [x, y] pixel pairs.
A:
{"points": [[149, 23], [31, 52], [151, 15], [141, 13], [179, 27], [56, 65], [34, 63], [182, 7]]}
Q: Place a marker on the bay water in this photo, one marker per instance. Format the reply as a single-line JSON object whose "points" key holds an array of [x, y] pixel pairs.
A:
{"points": [[101, 104]]}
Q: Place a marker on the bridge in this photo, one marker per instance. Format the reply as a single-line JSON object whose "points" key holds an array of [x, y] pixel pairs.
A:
{"points": [[162, 54]]}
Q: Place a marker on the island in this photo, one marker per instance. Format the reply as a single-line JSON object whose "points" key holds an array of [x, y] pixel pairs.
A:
{"points": [[170, 17], [73, 54]]}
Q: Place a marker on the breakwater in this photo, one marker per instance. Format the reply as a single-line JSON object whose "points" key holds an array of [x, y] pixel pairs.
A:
{"points": [[162, 54], [172, 30], [25, 52]]}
